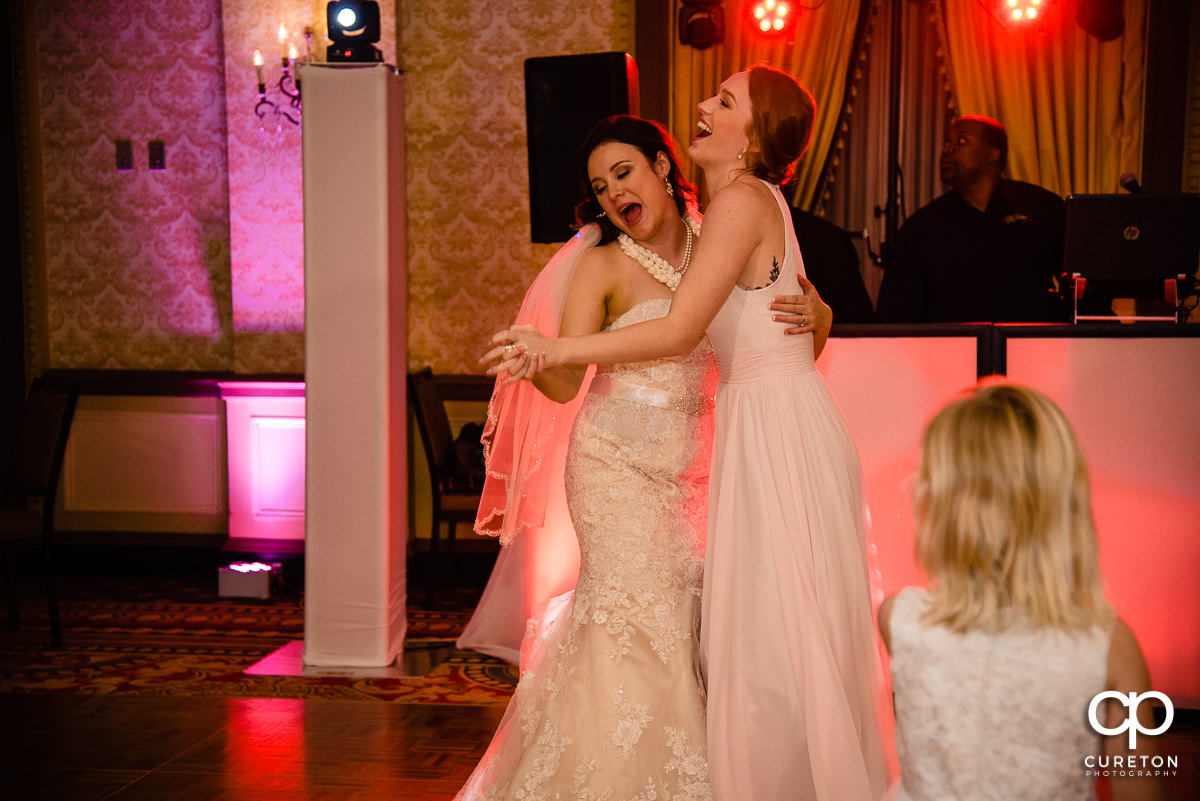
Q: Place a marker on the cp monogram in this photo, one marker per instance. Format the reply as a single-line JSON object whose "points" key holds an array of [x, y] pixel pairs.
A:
{"points": [[1131, 723]]}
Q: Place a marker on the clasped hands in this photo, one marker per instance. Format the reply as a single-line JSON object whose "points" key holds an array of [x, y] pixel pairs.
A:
{"points": [[523, 353], [520, 351]]}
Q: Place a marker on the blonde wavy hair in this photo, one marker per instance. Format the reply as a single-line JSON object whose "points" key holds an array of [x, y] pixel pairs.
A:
{"points": [[1004, 515]]}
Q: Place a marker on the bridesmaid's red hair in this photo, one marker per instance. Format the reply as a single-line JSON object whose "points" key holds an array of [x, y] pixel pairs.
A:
{"points": [[781, 125]]}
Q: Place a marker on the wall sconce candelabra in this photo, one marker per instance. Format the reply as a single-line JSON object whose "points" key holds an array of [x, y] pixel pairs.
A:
{"points": [[288, 106]]}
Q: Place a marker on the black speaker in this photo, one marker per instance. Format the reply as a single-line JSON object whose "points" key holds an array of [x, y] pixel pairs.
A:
{"points": [[564, 97]]}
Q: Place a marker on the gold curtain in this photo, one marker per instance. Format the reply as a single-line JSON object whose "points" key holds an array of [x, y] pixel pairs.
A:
{"points": [[856, 181], [817, 55], [1071, 103]]}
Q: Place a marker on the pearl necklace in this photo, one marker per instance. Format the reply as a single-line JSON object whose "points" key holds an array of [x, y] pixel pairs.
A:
{"points": [[658, 267]]}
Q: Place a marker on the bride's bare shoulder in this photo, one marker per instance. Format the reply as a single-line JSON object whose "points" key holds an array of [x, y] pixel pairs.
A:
{"points": [[601, 257]]}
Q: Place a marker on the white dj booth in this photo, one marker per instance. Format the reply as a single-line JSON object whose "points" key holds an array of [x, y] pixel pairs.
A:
{"points": [[1131, 392]]}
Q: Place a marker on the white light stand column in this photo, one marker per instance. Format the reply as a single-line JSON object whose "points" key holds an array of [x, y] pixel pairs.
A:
{"points": [[354, 317]]}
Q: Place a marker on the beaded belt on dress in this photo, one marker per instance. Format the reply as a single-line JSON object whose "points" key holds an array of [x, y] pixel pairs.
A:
{"points": [[690, 402]]}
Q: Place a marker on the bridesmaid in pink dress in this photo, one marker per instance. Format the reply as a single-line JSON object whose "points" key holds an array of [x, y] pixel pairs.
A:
{"points": [[788, 641]]}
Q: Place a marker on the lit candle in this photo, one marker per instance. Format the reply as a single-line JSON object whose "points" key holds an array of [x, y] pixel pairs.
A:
{"points": [[283, 44], [258, 65], [292, 54]]}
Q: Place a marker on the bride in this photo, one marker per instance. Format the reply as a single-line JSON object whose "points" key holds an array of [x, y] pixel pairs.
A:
{"points": [[789, 643], [610, 702]]}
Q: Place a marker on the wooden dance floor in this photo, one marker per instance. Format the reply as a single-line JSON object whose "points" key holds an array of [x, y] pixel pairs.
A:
{"points": [[135, 748], [163, 716]]}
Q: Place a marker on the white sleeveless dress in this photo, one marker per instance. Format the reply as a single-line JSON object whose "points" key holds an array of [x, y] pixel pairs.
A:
{"points": [[788, 636], [993, 716]]}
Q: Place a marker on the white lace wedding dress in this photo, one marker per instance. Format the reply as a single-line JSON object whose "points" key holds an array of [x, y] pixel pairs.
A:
{"points": [[611, 706]]}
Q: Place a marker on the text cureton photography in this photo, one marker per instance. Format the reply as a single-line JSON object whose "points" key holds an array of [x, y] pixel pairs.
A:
{"points": [[1131, 764]]}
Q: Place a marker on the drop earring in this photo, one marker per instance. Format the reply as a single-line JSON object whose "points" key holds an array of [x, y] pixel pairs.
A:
{"points": [[670, 189]]}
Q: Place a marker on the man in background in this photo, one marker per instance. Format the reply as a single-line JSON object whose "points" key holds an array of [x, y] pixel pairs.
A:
{"points": [[988, 250]]}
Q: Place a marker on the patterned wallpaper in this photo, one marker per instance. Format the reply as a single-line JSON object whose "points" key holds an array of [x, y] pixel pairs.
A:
{"points": [[200, 266], [266, 204], [469, 253], [136, 262]]}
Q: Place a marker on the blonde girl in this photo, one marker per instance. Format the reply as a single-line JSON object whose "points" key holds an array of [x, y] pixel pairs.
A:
{"points": [[995, 665]]}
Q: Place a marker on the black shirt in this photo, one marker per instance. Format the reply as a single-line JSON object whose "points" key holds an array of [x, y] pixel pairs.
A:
{"points": [[953, 263], [831, 263]]}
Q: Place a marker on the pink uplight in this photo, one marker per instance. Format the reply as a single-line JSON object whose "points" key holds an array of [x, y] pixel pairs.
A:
{"points": [[250, 567], [265, 428]]}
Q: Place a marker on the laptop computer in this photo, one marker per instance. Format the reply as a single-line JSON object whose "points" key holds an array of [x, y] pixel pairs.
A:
{"points": [[1130, 237]]}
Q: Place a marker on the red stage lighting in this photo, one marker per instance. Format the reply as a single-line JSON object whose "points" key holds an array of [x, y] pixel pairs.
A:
{"points": [[1021, 12], [772, 17]]}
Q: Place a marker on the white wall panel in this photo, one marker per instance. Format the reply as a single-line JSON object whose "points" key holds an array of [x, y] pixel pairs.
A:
{"points": [[266, 428], [277, 445], [153, 464]]}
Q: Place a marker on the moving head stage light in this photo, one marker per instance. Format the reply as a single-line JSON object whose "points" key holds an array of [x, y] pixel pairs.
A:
{"points": [[354, 29]]}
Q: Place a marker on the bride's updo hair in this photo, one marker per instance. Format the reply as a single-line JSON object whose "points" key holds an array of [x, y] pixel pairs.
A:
{"points": [[650, 139], [781, 126]]}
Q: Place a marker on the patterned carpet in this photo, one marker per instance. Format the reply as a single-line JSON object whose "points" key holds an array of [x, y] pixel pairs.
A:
{"points": [[176, 637]]}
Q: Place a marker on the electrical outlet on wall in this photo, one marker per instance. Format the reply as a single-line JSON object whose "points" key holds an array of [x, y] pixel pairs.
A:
{"points": [[124, 154], [158, 154]]}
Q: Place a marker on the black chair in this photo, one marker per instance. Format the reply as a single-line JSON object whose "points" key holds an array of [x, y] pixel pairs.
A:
{"points": [[453, 502], [27, 513]]}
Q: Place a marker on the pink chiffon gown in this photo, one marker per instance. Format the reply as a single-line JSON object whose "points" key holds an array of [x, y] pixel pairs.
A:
{"points": [[788, 640]]}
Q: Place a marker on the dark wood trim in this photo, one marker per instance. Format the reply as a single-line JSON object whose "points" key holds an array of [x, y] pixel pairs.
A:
{"points": [[12, 306], [489, 547], [465, 387], [263, 547], [156, 382], [172, 540], [654, 23]]}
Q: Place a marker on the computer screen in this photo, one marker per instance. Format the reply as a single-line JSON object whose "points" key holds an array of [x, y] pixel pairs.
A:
{"points": [[1122, 237]]}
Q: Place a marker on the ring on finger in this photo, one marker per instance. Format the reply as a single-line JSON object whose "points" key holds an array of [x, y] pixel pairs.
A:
{"points": [[803, 319]]}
